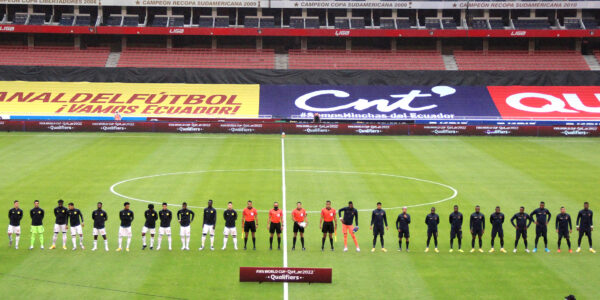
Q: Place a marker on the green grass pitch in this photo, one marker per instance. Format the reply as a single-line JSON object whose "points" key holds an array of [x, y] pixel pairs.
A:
{"points": [[509, 172]]}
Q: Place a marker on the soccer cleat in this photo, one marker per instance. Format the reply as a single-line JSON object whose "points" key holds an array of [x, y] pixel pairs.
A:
{"points": [[357, 249], [303, 249], [426, 249], [212, 248], [144, 247], [270, 247], [235, 248], [592, 250], [345, 249], [42, 247], [170, 249], [372, 249], [244, 247], [182, 248], [94, 249], [223, 248], [383, 249], [82, 247], [52, 247], [547, 250], [254, 248], [106, 249], [527, 250], [74, 248], [157, 248], [558, 250], [399, 249], [578, 249], [502, 250], [480, 250], [534, 250], [64, 247], [9, 243], [151, 248], [293, 248], [31, 248], [451, 250], [436, 250], [201, 248], [119, 249], [460, 250], [570, 251], [407, 250], [515, 251], [278, 247], [127, 249], [491, 250], [331, 248], [472, 250], [322, 249]]}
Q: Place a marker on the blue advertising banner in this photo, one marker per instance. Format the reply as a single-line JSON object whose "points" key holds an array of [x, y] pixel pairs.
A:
{"points": [[377, 102]]}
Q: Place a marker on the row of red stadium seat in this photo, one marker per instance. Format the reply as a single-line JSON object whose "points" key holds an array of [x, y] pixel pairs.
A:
{"points": [[366, 60], [53, 56], [198, 58], [520, 60]]}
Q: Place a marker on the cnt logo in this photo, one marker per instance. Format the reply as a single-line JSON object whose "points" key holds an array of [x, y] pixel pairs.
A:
{"points": [[309, 101]]}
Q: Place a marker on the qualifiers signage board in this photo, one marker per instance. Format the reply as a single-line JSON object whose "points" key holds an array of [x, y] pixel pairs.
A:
{"points": [[310, 275], [371, 4], [394, 103], [129, 99]]}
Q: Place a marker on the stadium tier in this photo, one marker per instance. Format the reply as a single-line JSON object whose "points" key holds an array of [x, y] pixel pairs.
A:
{"points": [[198, 58], [53, 56], [367, 60], [520, 60]]}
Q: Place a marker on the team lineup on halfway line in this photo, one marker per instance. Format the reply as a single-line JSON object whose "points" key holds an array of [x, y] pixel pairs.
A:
{"points": [[72, 217]]}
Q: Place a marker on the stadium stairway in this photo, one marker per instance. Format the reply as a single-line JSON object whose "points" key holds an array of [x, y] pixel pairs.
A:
{"points": [[450, 62], [113, 59], [592, 62], [281, 61]]}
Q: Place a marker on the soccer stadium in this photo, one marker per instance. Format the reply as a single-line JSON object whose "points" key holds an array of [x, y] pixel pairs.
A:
{"points": [[292, 149]]}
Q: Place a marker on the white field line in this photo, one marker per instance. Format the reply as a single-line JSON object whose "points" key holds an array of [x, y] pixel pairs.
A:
{"points": [[454, 191], [283, 200]]}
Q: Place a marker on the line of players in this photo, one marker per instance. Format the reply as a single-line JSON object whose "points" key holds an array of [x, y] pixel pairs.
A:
{"points": [[348, 216]]}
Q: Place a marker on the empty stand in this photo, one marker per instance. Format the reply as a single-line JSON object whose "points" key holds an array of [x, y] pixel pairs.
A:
{"points": [[159, 21], [590, 23], [53, 56], [478, 23], [531, 23], [198, 58], [572, 23], [66, 20], [520, 60], [365, 60]]}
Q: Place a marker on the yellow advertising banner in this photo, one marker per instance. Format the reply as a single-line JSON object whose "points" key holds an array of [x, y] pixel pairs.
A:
{"points": [[166, 100]]}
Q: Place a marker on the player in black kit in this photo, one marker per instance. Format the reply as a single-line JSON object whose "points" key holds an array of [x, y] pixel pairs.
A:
{"points": [[497, 219], [402, 223], [564, 227], [477, 226], [378, 219], [542, 218], [521, 226], [456, 221], [585, 225], [432, 220]]}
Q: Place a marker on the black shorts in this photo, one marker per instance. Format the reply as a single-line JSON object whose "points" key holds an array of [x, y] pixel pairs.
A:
{"points": [[297, 228], [522, 232], [583, 232], [432, 232], [250, 226], [328, 227], [563, 233], [541, 230], [275, 227], [477, 232], [378, 230], [403, 233], [498, 232], [456, 232]]}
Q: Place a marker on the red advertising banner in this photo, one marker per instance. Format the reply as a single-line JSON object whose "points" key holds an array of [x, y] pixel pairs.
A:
{"points": [[547, 102], [298, 128], [310, 275]]}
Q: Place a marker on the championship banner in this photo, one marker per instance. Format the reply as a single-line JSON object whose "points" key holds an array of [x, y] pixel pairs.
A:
{"points": [[310, 275], [129, 99]]}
